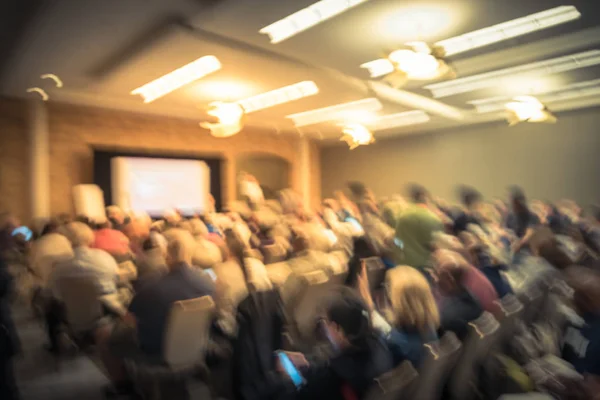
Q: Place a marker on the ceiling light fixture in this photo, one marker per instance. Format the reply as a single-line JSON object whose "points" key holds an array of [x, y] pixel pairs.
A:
{"points": [[498, 77], [229, 119], [356, 135], [397, 120], [528, 109], [307, 18], [333, 113], [510, 29], [178, 78], [419, 62], [279, 96], [568, 92]]}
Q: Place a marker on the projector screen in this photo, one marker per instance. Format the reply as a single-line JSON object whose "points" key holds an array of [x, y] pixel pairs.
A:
{"points": [[154, 185]]}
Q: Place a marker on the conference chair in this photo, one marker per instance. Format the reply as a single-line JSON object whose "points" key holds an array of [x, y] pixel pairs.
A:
{"points": [[307, 307], [440, 358], [533, 300], [511, 311], [185, 345], [397, 384], [375, 271], [291, 291], [482, 336], [80, 297]]}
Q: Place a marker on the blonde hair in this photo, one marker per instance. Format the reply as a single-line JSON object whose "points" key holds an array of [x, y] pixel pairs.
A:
{"points": [[412, 302], [180, 245], [79, 234]]}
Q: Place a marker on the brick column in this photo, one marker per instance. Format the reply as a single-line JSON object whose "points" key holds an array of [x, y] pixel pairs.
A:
{"points": [[39, 156]]}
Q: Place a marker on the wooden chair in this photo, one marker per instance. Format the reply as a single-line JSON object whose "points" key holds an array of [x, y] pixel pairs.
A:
{"points": [[397, 384], [440, 358]]}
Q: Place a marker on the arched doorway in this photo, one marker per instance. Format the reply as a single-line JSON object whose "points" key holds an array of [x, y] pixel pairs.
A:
{"points": [[271, 171]]}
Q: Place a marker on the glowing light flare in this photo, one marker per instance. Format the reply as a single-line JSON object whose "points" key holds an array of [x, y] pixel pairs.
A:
{"points": [[421, 21], [356, 135], [178, 78], [528, 108], [229, 119], [57, 81], [417, 66], [39, 91]]}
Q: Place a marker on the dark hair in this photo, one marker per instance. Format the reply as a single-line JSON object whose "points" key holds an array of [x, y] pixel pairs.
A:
{"points": [[468, 195], [50, 227], [358, 189], [350, 312], [417, 193]]}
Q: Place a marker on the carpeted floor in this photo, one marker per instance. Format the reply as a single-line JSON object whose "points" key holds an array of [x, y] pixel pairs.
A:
{"points": [[41, 377]]}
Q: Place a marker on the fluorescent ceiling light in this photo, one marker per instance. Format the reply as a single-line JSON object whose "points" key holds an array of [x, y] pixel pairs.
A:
{"points": [[279, 96], [307, 18], [178, 78], [497, 78], [335, 112], [399, 119], [569, 92], [510, 29]]}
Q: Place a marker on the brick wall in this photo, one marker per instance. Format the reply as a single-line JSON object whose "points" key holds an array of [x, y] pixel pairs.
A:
{"points": [[74, 131]]}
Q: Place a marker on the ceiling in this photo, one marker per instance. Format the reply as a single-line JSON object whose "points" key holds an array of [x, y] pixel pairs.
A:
{"points": [[103, 50]]}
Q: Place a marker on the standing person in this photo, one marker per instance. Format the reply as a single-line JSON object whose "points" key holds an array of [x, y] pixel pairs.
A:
{"points": [[9, 341], [521, 221]]}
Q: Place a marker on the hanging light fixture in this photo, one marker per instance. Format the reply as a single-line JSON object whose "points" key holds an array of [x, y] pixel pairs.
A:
{"points": [[356, 135], [528, 109], [229, 119]]}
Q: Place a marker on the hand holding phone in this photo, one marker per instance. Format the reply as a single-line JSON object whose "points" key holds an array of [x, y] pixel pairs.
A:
{"points": [[290, 369]]}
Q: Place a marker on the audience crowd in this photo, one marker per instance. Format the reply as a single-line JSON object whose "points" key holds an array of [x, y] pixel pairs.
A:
{"points": [[396, 276]]}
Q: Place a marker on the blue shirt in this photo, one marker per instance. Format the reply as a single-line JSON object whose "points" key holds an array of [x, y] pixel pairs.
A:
{"points": [[406, 345], [582, 345], [151, 306]]}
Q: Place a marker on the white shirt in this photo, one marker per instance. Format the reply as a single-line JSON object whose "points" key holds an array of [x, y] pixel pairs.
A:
{"points": [[48, 251], [95, 264]]}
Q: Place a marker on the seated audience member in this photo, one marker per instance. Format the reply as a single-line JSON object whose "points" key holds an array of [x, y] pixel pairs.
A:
{"points": [[360, 355], [307, 260], [152, 264], [48, 250], [9, 340], [457, 305], [522, 220], [113, 241], [582, 340], [414, 233], [96, 264], [412, 311], [140, 334], [117, 217]]}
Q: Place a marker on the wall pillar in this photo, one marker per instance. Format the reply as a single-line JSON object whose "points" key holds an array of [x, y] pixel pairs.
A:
{"points": [[304, 175], [231, 183], [39, 159]]}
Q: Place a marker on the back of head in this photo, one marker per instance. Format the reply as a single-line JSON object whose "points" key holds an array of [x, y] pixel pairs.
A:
{"points": [[468, 196], [180, 247], [346, 309], [586, 285], [413, 306], [79, 234], [418, 194]]}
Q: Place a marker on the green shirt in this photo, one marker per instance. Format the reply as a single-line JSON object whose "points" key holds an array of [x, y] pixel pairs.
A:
{"points": [[414, 228]]}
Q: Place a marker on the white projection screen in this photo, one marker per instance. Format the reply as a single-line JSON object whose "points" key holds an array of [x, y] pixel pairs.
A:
{"points": [[154, 185]]}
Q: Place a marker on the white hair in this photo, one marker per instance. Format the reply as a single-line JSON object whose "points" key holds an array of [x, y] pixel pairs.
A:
{"points": [[180, 245], [79, 234]]}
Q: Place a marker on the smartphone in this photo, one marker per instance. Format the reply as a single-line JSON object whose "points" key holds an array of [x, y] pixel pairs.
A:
{"points": [[290, 369], [23, 230], [211, 273], [399, 243]]}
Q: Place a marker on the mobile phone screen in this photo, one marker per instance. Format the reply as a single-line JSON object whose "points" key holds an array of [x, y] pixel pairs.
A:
{"points": [[290, 369], [211, 273], [23, 230]]}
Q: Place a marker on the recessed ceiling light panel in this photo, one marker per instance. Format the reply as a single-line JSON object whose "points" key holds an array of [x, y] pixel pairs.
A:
{"points": [[279, 96], [178, 78], [334, 113], [307, 18], [496, 78]]}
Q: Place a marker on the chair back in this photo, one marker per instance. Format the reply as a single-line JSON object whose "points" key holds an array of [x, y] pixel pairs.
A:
{"points": [[187, 332], [397, 384], [482, 336], [440, 358], [512, 310], [375, 272], [533, 300], [307, 307], [80, 296]]}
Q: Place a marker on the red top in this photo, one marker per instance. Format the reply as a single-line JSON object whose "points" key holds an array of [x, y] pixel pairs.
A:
{"points": [[112, 241]]}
